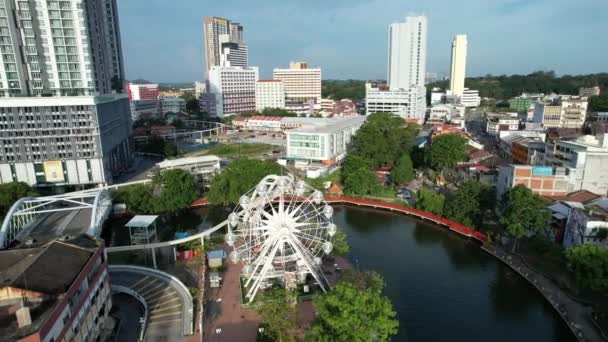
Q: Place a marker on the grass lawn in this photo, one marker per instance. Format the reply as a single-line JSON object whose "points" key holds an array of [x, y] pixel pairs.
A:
{"points": [[235, 150]]}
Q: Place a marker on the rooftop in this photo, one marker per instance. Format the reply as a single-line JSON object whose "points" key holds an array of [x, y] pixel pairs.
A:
{"points": [[49, 269], [581, 196], [169, 163], [329, 125], [141, 221]]}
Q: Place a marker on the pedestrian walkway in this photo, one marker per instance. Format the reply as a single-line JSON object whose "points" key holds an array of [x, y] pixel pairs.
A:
{"points": [[576, 315]]}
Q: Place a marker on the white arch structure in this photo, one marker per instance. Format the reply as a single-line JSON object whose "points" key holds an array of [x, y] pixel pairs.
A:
{"points": [[26, 211]]}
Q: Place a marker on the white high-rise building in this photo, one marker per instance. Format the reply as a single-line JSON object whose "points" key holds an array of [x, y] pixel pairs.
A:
{"points": [[406, 72], [233, 89], [59, 48], [269, 94], [233, 53], [409, 104], [302, 86], [459, 64], [407, 53], [215, 42]]}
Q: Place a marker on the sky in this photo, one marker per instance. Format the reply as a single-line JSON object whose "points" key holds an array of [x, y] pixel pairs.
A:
{"points": [[348, 39]]}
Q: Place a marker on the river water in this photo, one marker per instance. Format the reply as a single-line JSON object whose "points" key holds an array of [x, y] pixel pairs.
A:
{"points": [[443, 287]]}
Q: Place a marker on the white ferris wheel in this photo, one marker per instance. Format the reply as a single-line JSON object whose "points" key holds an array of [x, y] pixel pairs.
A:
{"points": [[280, 230]]}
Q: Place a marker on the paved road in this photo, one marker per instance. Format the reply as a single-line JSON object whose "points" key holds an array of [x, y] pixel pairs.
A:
{"points": [[129, 311]]}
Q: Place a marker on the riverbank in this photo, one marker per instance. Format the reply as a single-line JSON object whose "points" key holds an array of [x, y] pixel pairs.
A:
{"points": [[576, 315]]}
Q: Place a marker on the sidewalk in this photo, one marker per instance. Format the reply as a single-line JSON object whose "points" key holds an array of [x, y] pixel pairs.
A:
{"points": [[576, 315]]}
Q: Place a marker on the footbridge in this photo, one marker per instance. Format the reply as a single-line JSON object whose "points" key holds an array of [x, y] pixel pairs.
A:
{"points": [[42, 218]]}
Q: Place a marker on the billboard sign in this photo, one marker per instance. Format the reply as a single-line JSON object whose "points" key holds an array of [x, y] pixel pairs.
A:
{"points": [[53, 171]]}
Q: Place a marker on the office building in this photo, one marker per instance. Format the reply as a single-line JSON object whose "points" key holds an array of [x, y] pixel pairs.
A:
{"points": [[233, 90], [542, 180], [144, 100], [497, 122], [199, 88], [458, 65], [586, 159], [322, 140], [201, 167], [60, 48], [588, 92], [562, 111], [438, 96], [147, 91], [233, 53], [172, 104], [302, 86], [470, 98], [64, 141], [409, 104], [407, 53], [59, 291], [584, 223], [269, 94], [215, 31]]}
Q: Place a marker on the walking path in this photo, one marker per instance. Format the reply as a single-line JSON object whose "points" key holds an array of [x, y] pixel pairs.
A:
{"points": [[576, 315]]}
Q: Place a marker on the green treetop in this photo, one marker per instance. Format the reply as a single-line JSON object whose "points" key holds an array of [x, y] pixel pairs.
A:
{"points": [[590, 265], [525, 213], [403, 171], [447, 150], [429, 200]]}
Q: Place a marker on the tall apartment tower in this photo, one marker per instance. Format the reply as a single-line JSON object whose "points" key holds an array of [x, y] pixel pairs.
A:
{"points": [[407, 53], [223, 37], [459, 64], [59, 48]]}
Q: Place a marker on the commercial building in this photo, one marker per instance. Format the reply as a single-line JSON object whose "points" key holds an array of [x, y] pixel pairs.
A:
{"points": [[60, 48], [407, 53], [440, 113], [322, 141], [497, 122], [60, 141], [199, 88], [470, 98], [344, 107], [269, 94], [521, 103], [522, 150], [542, 180], [144, 100], [586, 159], [59, 291], [458, 65], [233, 90], [172, 104], [264, 123], [233, 53], [302, 86], [409, 104], [588, 92], [585, 222], [217, 33], [201, 167], [563, 111], [437, 96]]}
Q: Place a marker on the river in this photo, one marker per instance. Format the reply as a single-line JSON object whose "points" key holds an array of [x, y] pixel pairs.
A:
{"points": [[443, 287]]}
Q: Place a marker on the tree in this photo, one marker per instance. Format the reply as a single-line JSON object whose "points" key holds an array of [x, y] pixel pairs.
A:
{"points": [[363, 280], [525, 213], [178, 190], [447, 150], [341, 246], [340, 89], [383, 138], [469, 203], [239, 177], [192, 105], [11, 193], [590, 265], [429, 200], [348, 313], [403, 171], [277, 313], [169, 149], [277, 112], [352, 163], [598, 103], [139, 198], [360, 182]]}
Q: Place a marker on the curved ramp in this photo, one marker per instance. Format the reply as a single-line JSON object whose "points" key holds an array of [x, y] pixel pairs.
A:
{"points": [[168, 301]]}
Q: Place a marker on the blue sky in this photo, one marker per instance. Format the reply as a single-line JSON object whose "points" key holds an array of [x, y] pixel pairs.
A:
{"points": [[163, 40]]}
